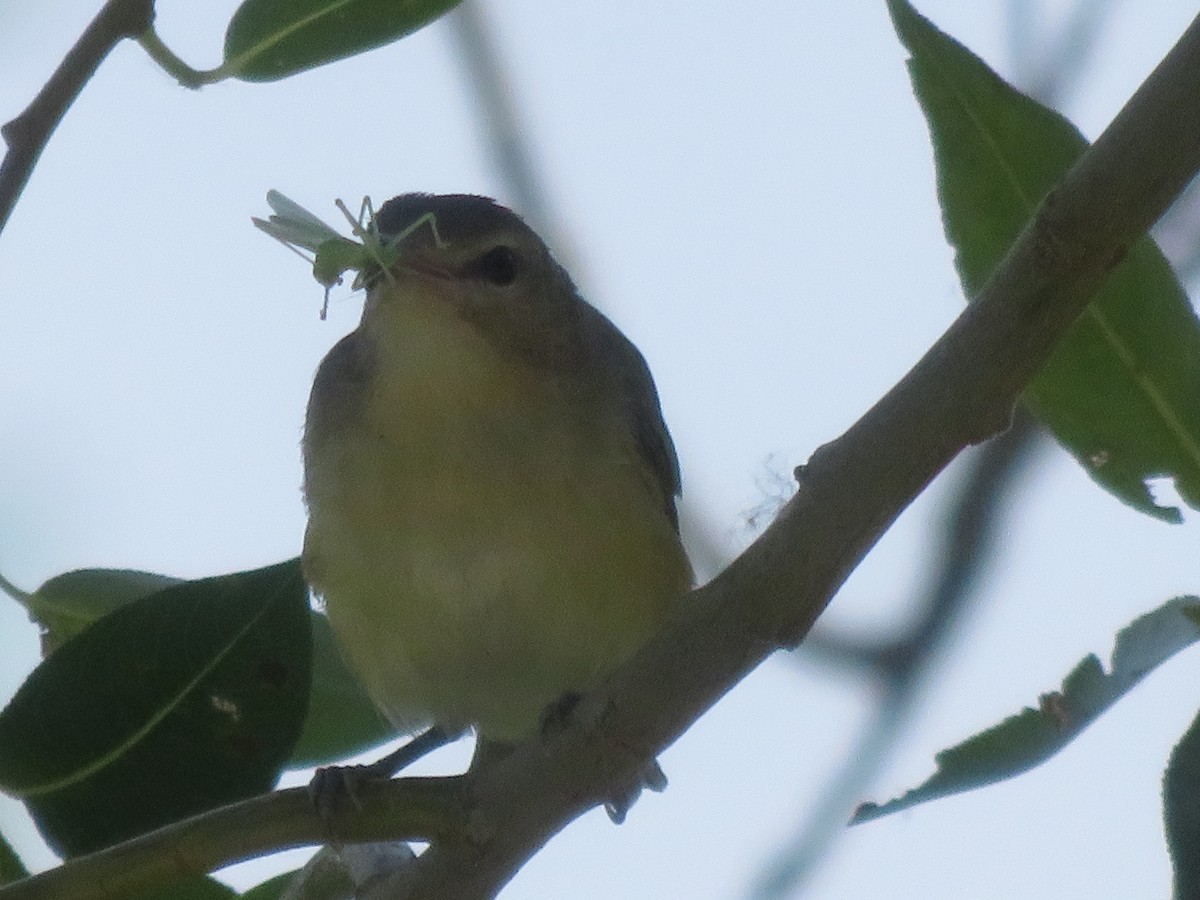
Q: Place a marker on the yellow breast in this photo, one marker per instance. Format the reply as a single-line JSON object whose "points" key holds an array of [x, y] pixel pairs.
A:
{"points": [[482, 543]]}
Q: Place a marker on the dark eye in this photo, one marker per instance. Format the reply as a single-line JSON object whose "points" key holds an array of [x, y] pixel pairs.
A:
{"points": [[498, 266]]}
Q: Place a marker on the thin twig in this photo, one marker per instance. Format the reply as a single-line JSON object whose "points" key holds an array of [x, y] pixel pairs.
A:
{"points": [[28, 133]]}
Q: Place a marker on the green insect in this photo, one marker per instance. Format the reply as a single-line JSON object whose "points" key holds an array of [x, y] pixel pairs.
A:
{"points": [[333, 254]]}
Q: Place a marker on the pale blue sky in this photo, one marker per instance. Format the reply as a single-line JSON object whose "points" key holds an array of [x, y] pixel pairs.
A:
{"points": [[750, 197]]}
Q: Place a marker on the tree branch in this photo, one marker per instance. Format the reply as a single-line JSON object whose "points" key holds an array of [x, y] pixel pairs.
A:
{"points": [[28, 133], [402, 809]]}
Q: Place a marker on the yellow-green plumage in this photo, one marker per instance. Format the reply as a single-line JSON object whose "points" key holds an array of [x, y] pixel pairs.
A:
{"points": [[490, 488]]}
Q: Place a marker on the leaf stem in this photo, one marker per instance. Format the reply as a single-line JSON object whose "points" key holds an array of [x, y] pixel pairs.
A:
{"points": [[176, 67]]}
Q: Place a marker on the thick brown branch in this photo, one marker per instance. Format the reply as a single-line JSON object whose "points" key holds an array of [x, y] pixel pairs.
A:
{"points": [[28, 133]]}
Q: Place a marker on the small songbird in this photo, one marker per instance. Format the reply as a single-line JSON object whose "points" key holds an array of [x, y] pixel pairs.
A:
{"points": [[490, 486]]}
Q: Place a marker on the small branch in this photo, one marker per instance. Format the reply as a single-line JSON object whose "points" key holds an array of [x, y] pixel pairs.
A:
{"points": [[27, 134], [402, 809]]}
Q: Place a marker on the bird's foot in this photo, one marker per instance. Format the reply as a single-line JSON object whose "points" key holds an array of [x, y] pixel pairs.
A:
{"points": [[331, 784], [651, 778], [556, 715]]}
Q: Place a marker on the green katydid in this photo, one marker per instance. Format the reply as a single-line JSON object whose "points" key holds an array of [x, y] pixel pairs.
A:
{"points": [[333, 254]]}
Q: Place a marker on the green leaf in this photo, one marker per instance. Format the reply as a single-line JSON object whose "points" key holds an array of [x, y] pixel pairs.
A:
{"points": [[1034, 735], [187, 699], [342, 719], [1181, 812], [272, 39], [11, 867], [1122, 391], [67, 604]]}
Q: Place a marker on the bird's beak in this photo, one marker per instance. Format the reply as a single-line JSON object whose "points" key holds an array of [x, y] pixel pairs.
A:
{"points": [[413, 260], [415, 274], [424, 269]]}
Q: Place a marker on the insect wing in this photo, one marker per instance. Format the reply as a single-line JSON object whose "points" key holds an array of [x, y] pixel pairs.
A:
{"points": [[294, 225]]}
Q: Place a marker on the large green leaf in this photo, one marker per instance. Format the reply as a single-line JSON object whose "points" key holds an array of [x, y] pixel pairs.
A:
{"points": [[1034, 735], [342, 720], [1122, 391], [272, 39], [181, 701]]}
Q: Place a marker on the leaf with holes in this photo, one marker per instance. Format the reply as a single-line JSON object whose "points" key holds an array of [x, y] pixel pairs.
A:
{"points": [[1029, 738]]}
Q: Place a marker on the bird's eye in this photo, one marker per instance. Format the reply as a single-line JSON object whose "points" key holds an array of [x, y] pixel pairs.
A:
{"points": [[497, 267]]}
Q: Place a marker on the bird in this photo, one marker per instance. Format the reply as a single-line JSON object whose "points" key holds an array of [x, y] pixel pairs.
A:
{"points": [[491, 488]]}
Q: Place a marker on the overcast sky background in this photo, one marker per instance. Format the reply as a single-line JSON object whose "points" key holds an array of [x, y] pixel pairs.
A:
{"points": [[750, 197]]}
